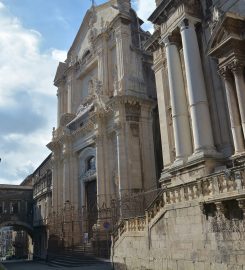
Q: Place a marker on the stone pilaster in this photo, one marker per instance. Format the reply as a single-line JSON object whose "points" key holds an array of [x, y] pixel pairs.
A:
{"points": [[147, 147], [69, 97], [101, 179], [55, 181], [66, 173], [74, 180], [103, 65], [123, 41], [121, 159], [162, 98], [59, 106]]}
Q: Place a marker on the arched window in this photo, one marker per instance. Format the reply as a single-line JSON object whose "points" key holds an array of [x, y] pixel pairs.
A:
{"points": [[91, 164]]}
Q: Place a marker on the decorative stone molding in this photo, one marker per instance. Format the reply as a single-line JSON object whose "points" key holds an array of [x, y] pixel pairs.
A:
{"points": [[66, 118], [237, 67], [216, 17], [132, 112], [84, 172], [225, 72], [160, 61]]}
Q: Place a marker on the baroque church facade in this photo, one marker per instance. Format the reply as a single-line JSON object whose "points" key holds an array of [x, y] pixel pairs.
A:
{"points": [[103, 149]]}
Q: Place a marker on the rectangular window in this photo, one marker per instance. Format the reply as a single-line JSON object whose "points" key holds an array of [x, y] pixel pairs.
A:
{"points": [[1, 208], [14, 207]]}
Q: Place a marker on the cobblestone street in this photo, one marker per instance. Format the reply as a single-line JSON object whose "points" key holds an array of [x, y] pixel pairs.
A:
{"points": [[43, 266]]}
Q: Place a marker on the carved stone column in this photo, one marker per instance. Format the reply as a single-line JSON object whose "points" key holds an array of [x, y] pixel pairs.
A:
{"points": [[74, 180], [69, 97], [238, 71], [122, 160], [103, 65], [181, 125], [59, 107], [200, 116], [101, 191], [55, 180], [236, 127]]}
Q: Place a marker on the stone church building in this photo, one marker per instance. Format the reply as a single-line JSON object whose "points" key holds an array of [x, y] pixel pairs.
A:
{"points": [[117, 85], [103, 149], [198, 220]]}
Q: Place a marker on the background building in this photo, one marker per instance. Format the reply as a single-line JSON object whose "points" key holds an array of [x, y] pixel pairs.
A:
{"points": [[42, 206]]}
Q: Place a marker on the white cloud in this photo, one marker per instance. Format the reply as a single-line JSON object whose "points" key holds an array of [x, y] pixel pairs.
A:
{"points": [[59, 55], [144, 9], [27, 98]]}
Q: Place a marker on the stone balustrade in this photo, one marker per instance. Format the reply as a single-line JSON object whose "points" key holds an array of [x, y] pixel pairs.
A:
{"points": [[215, 187]]}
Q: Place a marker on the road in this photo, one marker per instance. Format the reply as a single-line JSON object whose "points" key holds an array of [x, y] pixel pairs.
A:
{"points": [[43, 266]]}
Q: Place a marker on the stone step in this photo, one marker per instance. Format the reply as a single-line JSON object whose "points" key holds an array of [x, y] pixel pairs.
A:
{"points": [[71, 262]]}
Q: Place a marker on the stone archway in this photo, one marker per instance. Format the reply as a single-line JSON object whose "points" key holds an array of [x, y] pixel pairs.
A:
{"points": [[19, 225], [22, 239]]}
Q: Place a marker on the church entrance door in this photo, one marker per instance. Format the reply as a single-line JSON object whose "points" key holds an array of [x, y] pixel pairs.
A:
{"points": [[91, 202]]}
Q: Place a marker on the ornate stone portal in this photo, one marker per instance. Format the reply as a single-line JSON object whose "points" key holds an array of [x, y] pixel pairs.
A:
{"points": [[103, 145]]}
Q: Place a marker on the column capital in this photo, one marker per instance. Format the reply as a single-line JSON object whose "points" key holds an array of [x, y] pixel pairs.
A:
{"points": [[225, 72], [237, 67], [170, 39], [186, 23]]}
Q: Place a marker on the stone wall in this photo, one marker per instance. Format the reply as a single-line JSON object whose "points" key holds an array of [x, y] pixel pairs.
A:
{"points": [[180, 238]]}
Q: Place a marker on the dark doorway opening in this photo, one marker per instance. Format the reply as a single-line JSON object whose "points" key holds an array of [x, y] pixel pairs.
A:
{"points": [[91, 203]]}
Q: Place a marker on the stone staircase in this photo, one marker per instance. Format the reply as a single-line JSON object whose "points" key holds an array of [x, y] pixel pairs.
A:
{"points": [[74, 257], [214, 187]]}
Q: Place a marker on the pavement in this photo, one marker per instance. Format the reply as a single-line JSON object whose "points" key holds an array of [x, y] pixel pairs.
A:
{"points": [[42, 266]]}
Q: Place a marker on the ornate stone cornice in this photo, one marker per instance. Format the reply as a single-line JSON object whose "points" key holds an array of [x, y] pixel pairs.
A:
{"points": [[152, 43], [166, 8], [234, 65], [54, 146], [66, 118], [117, 100]]}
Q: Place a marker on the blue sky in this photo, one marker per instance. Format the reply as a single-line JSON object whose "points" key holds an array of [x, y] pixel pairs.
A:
{"points": [[34, 36]]}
